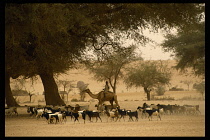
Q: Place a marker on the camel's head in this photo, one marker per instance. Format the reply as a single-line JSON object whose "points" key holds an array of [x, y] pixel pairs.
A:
{"points": [[86, 90]]}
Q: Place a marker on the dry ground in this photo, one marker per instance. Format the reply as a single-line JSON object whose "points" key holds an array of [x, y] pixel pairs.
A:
{"points": [[170, 125]]}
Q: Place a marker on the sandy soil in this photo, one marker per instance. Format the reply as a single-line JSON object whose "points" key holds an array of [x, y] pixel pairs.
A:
{"points": [[170, 125]]}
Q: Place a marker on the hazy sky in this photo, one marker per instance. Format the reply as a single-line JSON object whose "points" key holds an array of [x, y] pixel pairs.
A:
{"points": [[152, 51]]}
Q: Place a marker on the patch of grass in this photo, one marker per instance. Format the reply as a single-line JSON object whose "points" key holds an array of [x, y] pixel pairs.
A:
{"points": [[191, 98], [164, 98]]}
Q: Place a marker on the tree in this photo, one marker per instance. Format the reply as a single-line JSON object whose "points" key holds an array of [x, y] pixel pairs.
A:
{"points": [[189, 48], [110, 63], [47, 39], [200, 87], [20, 83], [66, 85], [187, 82], [82, 86], [148, 74]]}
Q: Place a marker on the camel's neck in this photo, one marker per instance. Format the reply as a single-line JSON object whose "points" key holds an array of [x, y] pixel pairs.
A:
{"points": [[94, 96]]}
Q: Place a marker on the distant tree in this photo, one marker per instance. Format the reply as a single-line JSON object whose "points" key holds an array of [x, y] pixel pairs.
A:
{"points": [[66, 85], [82, 86], [148, 75], [187, 82], [20, 84], [200, 87], [110, 63]]}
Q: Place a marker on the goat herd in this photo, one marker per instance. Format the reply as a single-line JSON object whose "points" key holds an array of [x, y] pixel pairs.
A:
{"points": [[58, 114]]}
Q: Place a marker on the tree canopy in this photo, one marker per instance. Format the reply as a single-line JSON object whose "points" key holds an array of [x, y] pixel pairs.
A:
{"points": [[110, 62], [48, 38], [148, 75], [189, 48]]}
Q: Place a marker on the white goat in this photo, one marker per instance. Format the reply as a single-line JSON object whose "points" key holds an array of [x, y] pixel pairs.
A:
{"points": [[39, 113]]}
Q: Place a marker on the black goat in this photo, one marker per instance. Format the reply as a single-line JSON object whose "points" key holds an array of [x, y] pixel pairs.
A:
{"points": [[122, 113], [50, 117], [78, 114], [132, 114], [93, 114], [153, 112]]}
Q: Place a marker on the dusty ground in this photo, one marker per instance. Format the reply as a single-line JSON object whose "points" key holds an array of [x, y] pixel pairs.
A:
{"points": [[170, 125]]}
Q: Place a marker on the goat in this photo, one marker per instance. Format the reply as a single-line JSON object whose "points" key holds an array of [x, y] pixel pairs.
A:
{"points": [[39, 113], [78, 114], [60, 116], [67, 113], [166, 108], [11, 110], [93, 114], [112, 114], [122, 113], [152, 112], [143, 112], [31, 110], [50, 117], [190, 109], [132, 114]]}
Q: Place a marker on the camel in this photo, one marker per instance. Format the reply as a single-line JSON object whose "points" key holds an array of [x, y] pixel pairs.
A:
{"points": [[110, 96]]}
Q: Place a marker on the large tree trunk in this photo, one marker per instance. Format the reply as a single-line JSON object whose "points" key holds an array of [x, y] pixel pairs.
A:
{"points": [[10, 100], [52, 96], [147, 91]]}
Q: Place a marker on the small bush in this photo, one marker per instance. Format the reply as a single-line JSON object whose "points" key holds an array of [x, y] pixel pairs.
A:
{"points": [[160, 90], [74, 100], [176, 89]]}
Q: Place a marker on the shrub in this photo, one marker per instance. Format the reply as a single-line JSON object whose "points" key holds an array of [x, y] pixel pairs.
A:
{"points": [[160, 90], [176, 89], [74, 100]]}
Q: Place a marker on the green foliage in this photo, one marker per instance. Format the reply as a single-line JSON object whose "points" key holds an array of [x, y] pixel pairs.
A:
{"points": [[160, 90], [148, 74], [51, 37], [74, 100], [200, 87], [110, 63], [189, 48]]}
